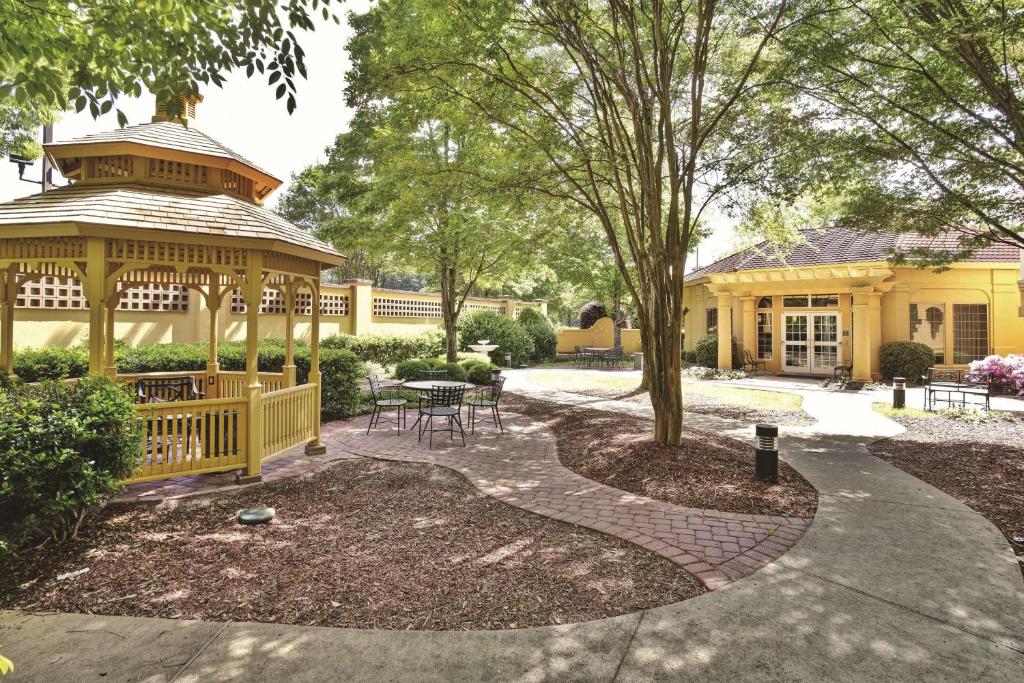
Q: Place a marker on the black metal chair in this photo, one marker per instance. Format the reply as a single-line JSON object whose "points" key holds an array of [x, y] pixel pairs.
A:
{"points": [[384, 399], [487, 398], [614, 358], [166, 389], [577, 357], [445, 403]]}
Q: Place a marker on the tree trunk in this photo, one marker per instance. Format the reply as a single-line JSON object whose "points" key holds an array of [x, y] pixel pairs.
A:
{"points": [[662, 373], [616, 306], [449, 310]]}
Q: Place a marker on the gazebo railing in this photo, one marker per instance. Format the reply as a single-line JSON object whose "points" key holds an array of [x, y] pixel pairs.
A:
{"points": [[288, 418], [191, 437], [232, 384]]}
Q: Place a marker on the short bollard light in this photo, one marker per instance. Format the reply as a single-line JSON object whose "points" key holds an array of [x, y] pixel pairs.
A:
{"points": [[899, 392], [508, 360], [766, 463]]}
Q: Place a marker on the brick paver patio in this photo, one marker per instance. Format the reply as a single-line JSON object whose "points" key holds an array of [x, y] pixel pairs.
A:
{"points": [[521, 468]]}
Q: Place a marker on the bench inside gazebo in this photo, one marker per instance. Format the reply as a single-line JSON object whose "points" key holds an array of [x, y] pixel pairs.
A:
{"points": [[162, 204]]}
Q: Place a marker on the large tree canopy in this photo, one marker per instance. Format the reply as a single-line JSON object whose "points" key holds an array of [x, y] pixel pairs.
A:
{"points": [[648, 115], [921, 104], [86, 54]]}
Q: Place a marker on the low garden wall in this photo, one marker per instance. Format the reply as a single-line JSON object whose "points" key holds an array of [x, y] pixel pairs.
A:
{"points": [[601, 334]]}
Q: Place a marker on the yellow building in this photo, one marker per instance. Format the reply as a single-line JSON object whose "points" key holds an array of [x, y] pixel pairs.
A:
{"points": [[836, 298]]}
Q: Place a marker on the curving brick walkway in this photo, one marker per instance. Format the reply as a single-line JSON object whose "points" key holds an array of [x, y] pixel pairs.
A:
{"points": [[521, 468]]}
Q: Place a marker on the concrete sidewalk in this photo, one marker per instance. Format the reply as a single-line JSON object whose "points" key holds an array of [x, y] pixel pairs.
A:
{"points": [[894, 580]]}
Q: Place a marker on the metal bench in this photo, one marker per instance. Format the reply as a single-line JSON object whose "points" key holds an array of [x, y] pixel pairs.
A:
{"points": [[952, 386], [753, 364], [166, 389]]}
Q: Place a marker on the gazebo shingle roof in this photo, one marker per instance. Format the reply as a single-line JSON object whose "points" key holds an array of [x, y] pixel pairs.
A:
{"points": [[155, 207], [163, 135], [840, 245]]}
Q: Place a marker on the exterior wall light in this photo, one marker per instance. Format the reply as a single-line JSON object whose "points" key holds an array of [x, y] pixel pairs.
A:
{"points": [[899, 392], [766, 462]]}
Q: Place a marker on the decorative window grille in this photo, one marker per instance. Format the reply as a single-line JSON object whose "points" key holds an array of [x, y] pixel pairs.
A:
{"points": [[764, 336], [190, 174], [496, 308], [970, 332], [928, 327], [236, 183], [121, 166], [57, 294], [333, 304], [388, 307], [711, 321]]}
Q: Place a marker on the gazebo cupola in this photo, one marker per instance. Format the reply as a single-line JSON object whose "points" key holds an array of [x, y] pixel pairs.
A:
{"points": [[164, 204]]}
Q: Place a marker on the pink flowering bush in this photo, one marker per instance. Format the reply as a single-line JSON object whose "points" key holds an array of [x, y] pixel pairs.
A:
{"points": [[1007, 372]]}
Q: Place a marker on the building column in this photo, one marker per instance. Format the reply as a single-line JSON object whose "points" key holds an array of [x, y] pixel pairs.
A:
{"points": [[95, 275], [867, 326], [725, 331], [360, 305], [315, 446], [289, 333], [750, 324], [213, 301], [1020, 285], [253, 391]]}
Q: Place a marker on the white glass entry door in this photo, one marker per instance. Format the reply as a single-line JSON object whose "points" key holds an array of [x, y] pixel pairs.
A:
{"points": [[811, 343]]}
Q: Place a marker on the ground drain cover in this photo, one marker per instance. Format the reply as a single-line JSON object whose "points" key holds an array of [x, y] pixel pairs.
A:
{"points": [[256, 515]]}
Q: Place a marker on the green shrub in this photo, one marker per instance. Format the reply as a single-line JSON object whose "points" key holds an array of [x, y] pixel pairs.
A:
{"points": [[906, 359], [410, 369], [478, 372], [388, 349], [545, 341], [590, 313], [456, 373], [706, 353], [508, 334], [63, 448], [691, 356], [341, 374], [51, 362]]}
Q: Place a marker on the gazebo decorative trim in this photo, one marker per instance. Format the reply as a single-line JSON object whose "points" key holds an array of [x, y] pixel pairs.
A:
{"points": [[114, 236]]}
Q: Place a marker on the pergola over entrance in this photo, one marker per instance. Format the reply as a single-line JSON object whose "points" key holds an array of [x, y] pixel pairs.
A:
{"points": [[163, 204]]}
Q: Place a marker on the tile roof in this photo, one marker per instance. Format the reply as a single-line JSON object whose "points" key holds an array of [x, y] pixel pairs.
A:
{"points": [[165, 134], [841, 245], [154, 207]]}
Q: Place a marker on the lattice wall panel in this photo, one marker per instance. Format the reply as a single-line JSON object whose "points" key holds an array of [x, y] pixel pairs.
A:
{"points": [[273, 303], [388, 307], [496, 308], [333, 304], [67, 294]]}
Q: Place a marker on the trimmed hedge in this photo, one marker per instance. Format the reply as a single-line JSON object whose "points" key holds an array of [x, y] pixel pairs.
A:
{"points": [[63, 449], [590, 313], [473, 370], [906, 359], [509, 335], [545, 341], [388, 349], [706, 352]]}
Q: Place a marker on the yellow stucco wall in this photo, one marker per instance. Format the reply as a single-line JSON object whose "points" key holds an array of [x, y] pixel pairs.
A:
{"points": [[35, 327], [601, 334], [995, 285]]}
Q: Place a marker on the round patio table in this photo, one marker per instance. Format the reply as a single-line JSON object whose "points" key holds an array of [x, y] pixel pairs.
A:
{"points": [[426, 384]]}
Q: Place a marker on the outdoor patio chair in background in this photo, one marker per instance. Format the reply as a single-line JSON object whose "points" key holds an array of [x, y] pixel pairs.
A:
{"points": [[386, 398], [166, 389], [444, 403], [613, 358], [752, 363], [487, 398]]}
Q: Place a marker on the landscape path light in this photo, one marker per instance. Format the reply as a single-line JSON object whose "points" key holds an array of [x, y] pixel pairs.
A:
{"points": [[766, 462], [899, 392]]}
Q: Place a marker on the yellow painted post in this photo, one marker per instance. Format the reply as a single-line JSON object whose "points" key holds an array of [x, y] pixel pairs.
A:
{"points": [[360, 306], [725, 331], [750, 324], [212, 364], [315, 446], [9, 299], [95, 274], [289, 333], [1020, 285], [863, 335], [510, 307], [253, 393], [109, 368]]}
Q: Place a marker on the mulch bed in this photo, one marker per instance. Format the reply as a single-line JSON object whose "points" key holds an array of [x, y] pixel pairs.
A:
{"points": [[705, 471], [981, 464], [363, 544]]}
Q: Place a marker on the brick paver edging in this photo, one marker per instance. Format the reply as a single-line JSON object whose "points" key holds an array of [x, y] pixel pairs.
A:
{"points": [[521, 468]]}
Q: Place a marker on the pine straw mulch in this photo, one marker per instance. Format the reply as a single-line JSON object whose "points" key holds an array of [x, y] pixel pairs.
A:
{"points": [[706, 471], [981, 464], [363, 544]]}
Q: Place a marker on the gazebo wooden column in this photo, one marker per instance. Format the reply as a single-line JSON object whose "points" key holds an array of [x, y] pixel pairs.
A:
{"points": [[214, 295], [95, 294], [288, 293], [8, 299], [315, 446], [253, 391]]}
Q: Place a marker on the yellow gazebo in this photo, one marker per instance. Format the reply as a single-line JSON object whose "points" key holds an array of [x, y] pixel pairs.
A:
{"points": [[163, 204]]}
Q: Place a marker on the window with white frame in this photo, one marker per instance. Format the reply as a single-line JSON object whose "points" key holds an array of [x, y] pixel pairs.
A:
{"points": [[711, 320], [765, 339]]}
